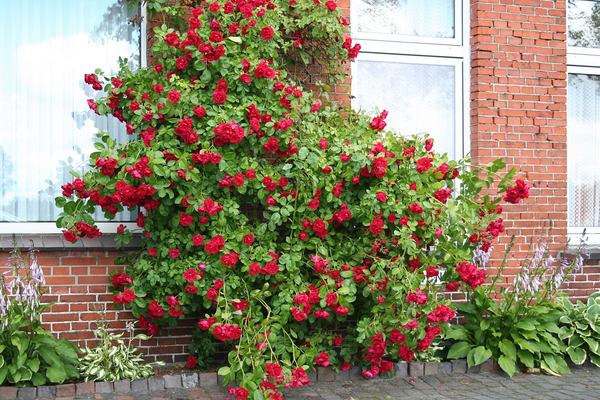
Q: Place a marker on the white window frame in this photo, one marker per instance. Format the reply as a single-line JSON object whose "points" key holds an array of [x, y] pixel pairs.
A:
{"points": [[453, 52], [105, 227], [582, 60]]}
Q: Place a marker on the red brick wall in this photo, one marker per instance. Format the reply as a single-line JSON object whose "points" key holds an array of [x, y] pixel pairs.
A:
{"points": [[518, 108], [77, 283]]}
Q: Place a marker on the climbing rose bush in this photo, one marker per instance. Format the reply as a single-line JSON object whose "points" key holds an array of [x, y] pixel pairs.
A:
{"points": [[296, 233]]}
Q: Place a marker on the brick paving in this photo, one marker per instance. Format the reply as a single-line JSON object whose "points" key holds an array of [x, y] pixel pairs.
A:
{"points": [[582, 384]]}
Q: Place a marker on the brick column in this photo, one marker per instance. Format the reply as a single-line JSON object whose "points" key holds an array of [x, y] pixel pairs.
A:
{"points": [[518, 107]]}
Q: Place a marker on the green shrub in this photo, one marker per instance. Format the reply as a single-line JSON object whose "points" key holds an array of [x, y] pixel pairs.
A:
{"points": [[29, 354], [112, 359], [521, 330], [580, 326], [276, 220]]}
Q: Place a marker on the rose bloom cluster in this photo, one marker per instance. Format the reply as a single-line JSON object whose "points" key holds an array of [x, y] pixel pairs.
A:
{"points": [[271, 217]]}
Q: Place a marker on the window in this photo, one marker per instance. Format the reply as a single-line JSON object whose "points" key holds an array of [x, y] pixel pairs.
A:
{"points": [[413, 63], [583, 118], [46, 127]]}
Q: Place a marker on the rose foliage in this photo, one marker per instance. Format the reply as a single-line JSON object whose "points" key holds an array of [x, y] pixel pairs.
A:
{"points": [[298, 234]]}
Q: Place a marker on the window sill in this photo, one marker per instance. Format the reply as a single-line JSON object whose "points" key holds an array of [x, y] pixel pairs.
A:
{"points": [[55, 242]]}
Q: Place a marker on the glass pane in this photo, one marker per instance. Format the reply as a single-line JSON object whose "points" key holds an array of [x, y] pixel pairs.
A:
{"points": [[584, 23], [583, 123], [46, 127], [419, 97], [432, 18]]}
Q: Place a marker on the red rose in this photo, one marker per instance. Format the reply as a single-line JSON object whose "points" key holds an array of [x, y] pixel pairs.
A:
{"points": [[185, 219], [415, 208], [423, 164], [174, 96], [172, 39], [181, 63], [376, 226], [70, 236], [322, 359], [254, 269], [267, 33], [155, 310], [197, 240], [428, 144], [121, 279], [381, 196], [191, 289], [248, 239], [215, 245], [406, 353], [199, 111], [191, 275], [191, 362], [517, 193], [212, 294]]}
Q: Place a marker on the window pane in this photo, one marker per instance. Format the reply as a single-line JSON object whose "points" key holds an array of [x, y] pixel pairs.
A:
{"points": [[419, 97], [431, 18], [584, 23], [46, 127], [583, 109]]}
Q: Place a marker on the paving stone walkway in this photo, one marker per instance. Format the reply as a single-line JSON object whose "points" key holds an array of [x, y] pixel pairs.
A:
{"points": [[582, 384]]}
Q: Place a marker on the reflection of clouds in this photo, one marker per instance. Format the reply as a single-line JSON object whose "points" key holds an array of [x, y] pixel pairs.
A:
{"points": [[432, 18], [583, 31], [45, 117]]}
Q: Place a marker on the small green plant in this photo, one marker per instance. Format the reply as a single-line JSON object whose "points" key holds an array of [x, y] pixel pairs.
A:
{"points": [[580, 326], [114, 359], [29, 354], [521, 330]]}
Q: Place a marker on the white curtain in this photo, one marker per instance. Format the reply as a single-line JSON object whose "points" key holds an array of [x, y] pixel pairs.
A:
{"points": [[46, 127], [583, 130]]}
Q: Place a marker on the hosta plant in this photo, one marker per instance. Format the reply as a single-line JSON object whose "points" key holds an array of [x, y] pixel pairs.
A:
{"points": [[521, 330], [297, 233], [113, 358], [29, 354], [580, 326]]}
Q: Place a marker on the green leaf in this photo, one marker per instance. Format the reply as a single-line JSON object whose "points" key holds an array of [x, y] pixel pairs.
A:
{"points": [[456, 333], [593, 344], [38, 379], [302, 153], [33, 364], [20, 342], [235, 39], [577, 355], [554, 364], [508, 349], [508, 365], [528, 345], [3, 372], [459, 350], [223, 371], [527, 325], [478, 355], [56, 374], [593, 312]]}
